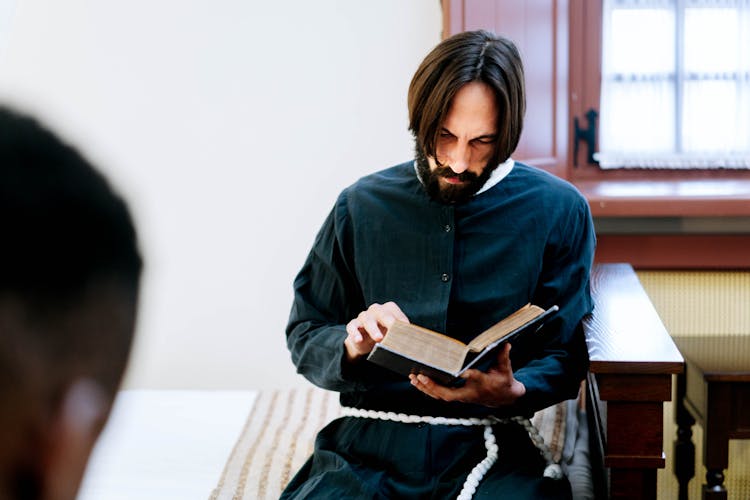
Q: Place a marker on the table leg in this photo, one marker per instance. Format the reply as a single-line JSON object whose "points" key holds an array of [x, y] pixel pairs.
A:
{"points": [[716, 440], [684, 449], [714, 488]]}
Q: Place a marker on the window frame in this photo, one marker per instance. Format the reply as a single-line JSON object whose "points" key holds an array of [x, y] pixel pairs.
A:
{"points": [[627, 199], [706, 187]]}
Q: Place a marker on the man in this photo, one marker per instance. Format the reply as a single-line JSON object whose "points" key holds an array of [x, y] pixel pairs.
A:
{"points": [[453, 241], [69, 277]]}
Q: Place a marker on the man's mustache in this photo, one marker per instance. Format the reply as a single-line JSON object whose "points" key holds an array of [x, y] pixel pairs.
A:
{"points": [[446, 171]]}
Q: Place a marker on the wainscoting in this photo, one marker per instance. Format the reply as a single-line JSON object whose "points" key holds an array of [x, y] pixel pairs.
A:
{"points": [[693, 303]]}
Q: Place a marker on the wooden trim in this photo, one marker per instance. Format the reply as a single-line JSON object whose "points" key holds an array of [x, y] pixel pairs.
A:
{"points": [[594, 173], [585, 88], [453, 17], [668, 198], [561, 81], [632, 462], [719, 251], [635, 484], [585, 29], [636, 386], [625, 335]]}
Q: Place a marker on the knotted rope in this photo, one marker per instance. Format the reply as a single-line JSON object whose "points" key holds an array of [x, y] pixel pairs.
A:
{"points": [[552, 470]]}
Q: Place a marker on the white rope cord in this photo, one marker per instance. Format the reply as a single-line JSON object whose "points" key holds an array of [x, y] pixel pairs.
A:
{"points": [[552, 470]]}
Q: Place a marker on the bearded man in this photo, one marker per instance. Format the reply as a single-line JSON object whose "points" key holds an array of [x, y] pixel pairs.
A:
{"points": [[454, 241]]}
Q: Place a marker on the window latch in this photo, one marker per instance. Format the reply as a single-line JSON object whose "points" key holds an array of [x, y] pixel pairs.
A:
{"points": [[588, 135]]}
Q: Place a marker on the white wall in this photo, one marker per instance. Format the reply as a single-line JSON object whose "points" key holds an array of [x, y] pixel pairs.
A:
{"points": [[230, 126]]}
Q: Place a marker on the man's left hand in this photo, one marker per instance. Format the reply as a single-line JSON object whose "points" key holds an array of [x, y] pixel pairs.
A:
{"points": [[495, 388]]}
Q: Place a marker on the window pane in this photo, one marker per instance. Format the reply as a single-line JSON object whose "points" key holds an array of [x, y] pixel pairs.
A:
{"points": [[713, 124], [712, 43], [642, 41], [706, 122], [661, 54], [639, 117]]}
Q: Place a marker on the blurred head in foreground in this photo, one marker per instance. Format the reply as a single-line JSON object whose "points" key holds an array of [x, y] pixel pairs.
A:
{"points": [[69, 278]]}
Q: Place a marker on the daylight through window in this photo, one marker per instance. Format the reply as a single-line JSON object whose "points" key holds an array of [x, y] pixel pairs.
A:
{"points": [[675, 87]]}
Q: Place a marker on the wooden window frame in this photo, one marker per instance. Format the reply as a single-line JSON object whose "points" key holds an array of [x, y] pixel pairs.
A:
{"points": [[541, 28], [620, 196], [636, 192]]}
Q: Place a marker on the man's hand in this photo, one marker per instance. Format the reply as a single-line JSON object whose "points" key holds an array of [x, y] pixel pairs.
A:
{"points": [[368, 328], [495, 388]]}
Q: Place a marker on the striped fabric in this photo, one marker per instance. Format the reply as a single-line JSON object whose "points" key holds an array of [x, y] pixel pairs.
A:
{"points": [[280, 431], [551, 423]]}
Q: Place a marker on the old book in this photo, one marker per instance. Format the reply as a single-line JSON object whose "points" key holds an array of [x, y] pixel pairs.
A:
{"points": [[408, 348]]}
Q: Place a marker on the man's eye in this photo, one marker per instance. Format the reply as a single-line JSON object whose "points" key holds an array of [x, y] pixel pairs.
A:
{"points": [[484, 141]]}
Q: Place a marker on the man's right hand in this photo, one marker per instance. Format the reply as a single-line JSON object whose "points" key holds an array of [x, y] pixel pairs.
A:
{"points": [[368, 328]]}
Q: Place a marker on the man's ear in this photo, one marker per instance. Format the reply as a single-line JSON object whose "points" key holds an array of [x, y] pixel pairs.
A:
{"points": [[75, 427]]}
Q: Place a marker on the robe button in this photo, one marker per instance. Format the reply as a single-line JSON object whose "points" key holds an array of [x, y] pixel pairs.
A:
{"points": [[445, 277], [447, 228]]}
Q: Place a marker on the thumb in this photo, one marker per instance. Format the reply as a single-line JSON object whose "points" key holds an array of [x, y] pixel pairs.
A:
{"points": [[503, 359]]}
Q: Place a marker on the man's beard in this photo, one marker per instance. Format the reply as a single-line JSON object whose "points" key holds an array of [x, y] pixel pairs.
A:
{"points": [[450, 193]]}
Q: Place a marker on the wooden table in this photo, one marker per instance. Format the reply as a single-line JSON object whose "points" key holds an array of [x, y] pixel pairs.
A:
{"points": [[715, 391], [633, 359]]}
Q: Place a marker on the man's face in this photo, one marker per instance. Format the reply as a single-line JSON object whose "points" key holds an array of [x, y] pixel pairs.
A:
{"points": [[466, 143]]}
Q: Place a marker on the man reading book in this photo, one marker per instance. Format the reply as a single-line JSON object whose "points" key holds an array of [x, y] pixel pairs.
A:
{"points": [[454, 241]]}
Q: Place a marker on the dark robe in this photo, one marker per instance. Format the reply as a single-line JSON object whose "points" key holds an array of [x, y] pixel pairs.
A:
{"points": [[456, 269]]}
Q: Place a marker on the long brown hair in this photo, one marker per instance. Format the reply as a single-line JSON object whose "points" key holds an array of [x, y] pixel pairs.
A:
{"points": [[471, 56]]}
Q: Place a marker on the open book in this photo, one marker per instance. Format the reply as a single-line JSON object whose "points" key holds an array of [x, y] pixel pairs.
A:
{"points": [[408, 348]]}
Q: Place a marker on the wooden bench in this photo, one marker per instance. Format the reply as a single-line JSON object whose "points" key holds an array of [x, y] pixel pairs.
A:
{"points": [[633, 359]]}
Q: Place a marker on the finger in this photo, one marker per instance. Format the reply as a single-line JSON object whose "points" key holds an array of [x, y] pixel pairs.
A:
{"points": [[352, 329], [423, 383], [383, 315], [472, 374], [369, 325], [503, 359], [395, 311], [437, 391]]}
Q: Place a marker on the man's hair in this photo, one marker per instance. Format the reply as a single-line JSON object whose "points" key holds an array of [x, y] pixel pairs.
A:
{"points": [[69, 269], [471, 56]]}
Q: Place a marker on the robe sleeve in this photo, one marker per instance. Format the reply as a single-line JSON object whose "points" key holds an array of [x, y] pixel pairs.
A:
{"points": [[565, 281], [326, 297]]}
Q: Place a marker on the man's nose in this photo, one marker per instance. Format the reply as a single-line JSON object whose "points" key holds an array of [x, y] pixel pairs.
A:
{"points": [[460, 158]]}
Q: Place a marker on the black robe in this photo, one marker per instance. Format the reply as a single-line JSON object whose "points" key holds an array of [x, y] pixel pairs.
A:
{"points": [[456, 269]]}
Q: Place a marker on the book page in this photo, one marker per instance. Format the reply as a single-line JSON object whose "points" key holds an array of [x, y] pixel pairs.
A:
{"points": [[505, 326], [427, 346]]}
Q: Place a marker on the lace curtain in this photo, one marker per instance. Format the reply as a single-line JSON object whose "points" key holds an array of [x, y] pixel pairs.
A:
{"points": [[675, 87]]}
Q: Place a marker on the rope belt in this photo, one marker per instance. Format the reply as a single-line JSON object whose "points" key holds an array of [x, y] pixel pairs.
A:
{"points": [[552, 470]]}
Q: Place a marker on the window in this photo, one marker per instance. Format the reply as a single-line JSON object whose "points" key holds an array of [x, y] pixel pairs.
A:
{"points": [[675, 84], [561, 41]]}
